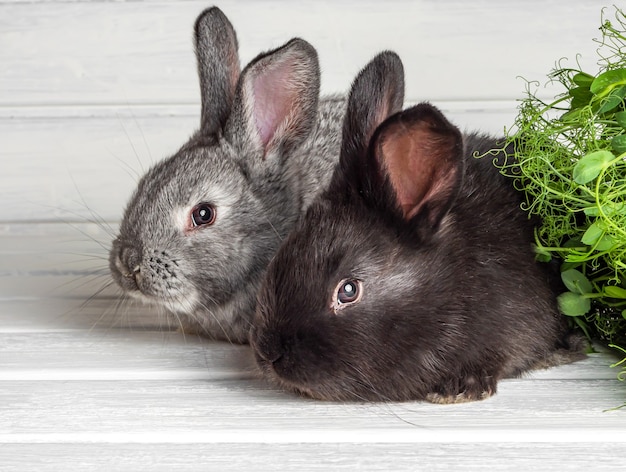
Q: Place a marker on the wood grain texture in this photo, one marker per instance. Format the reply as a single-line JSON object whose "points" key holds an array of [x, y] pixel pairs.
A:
{"points": [[94, 92], [140, 52], [77, 394], [68, 168], [316, 457], [142, 388]]}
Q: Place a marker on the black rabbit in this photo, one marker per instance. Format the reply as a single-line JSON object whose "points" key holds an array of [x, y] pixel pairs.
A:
{"points": [[413, 275]]}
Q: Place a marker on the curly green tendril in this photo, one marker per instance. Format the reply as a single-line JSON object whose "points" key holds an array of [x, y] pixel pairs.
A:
{"points": [[570, 161]]}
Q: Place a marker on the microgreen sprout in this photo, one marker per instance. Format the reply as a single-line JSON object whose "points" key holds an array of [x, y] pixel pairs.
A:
{"points": [[570, 161]]}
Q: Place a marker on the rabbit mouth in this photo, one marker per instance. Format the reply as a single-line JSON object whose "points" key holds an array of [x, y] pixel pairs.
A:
{"points": [[281, 373], [269, 371], [182, 303], [311, 389], [154, 279]]}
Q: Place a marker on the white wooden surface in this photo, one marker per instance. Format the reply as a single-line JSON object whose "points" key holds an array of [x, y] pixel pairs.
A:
{"points": [[92, 92], [93, 385]]}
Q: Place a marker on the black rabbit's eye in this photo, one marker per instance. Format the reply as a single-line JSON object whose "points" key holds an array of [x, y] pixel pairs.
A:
{"points": [[348, 292], [203, 214]]}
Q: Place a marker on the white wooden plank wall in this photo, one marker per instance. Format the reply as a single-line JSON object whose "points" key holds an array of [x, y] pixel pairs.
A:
{"points": [[92, 93]]}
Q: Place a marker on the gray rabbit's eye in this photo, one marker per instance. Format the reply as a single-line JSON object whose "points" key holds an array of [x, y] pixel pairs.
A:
{"points": [[203, 214], [348, 292]]}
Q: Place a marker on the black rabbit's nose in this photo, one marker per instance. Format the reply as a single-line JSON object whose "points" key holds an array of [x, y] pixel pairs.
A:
{"points": [[269, 348], [271, 354], [274, 357]]}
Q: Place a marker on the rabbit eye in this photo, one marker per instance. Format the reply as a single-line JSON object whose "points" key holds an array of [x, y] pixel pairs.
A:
{"points": [[203, 214], [348, 292]]}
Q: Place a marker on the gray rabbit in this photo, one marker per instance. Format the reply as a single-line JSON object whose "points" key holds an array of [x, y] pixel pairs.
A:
{"points": [[412, 276], [202, 225]]}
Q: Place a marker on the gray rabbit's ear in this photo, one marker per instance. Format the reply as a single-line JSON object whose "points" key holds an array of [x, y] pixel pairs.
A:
{"points": [[418, 153], [377, 92], [218, 68], [276, 101]]}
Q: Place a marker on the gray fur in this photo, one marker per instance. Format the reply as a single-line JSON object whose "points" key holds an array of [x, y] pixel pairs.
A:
{"points": [[260, 166]]}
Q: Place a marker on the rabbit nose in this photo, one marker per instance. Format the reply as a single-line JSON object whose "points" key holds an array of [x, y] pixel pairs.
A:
{"points": [[130, 257], [270, 348], [128, 263], [272, 357]]}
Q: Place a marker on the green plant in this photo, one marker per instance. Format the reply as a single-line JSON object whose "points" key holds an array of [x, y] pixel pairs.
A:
{"points": [[571, 164]]}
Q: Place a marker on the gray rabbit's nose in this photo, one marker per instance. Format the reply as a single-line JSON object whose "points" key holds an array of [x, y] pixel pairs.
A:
{"points": [[128, 262]]}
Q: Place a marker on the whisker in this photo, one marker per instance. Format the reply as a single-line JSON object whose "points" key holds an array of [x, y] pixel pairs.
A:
{"points": [[143, 137], [130, 141], [87, 257], [218, 323], [127, 168], [385, 401], [76, 284], [274, 229], [105, 313], [97, 219], [87, 235], [97, 293], [180, 324]]}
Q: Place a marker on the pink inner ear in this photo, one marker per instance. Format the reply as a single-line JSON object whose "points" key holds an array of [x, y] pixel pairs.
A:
{"points": [[274, 99], [419, 166]]}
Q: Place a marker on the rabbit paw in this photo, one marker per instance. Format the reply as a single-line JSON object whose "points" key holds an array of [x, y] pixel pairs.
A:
{"points": [[470, 389]]}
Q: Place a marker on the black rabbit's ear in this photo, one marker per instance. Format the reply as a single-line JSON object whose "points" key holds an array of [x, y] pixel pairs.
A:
{"points": [[276, 101], [418, 158], [377, 92], [218, 67]]}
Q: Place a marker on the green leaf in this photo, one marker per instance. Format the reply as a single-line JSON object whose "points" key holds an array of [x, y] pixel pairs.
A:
{"points": [[590, 166], [618, 143], [543, 257], [576, 282], [573, 304], [571, 116], [606, 81], [592, 211], [593, 234], [614, 292], [611, 209], [606, 243], [624, 314], [582, 79], [613, 100], [581, 96], [620, 117], [580, 92], [573, 242]]}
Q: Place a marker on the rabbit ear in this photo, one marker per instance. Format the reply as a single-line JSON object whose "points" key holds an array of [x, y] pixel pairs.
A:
{"points": [[419, 153], [276, 101], [218, 67], [377, 92]]}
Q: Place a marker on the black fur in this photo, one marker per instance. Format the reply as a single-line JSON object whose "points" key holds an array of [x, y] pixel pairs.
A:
{"points": [[452, 301]]}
